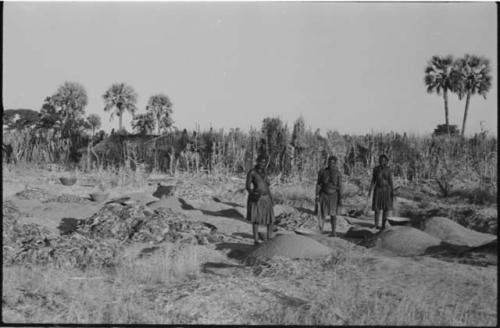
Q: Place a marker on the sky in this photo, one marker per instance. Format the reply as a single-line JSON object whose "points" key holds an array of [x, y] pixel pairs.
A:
{"points": [[350, 67]]}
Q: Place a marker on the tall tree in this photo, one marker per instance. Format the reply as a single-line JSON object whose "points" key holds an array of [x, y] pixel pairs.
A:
{"points": [[94, 121], [161, 108], [69, 101], [474, 78], [274, 141], [143, 123], [439, 77], [123, 98]]}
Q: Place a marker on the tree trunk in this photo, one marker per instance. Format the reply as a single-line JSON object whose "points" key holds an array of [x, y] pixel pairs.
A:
{"points": [[465, 112], [119, 121], [447, 121]]}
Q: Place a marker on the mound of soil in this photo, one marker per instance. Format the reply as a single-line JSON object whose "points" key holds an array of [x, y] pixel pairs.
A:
{"points": [[453, 233], [405, 241], [290, 246]]}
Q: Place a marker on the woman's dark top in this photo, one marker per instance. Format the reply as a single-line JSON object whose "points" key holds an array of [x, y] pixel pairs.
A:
{"points": [[259, 181], [330, 181]]}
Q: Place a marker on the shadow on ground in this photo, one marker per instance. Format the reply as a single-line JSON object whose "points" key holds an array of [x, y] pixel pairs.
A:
{"points": [[237, 251], [226, 213], [217, 200], [483, 255]]}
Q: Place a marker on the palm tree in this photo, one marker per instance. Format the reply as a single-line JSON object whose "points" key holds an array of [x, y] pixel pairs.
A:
{"points": [[474, 78], [122, 97], [161, 108], [439, 77]]}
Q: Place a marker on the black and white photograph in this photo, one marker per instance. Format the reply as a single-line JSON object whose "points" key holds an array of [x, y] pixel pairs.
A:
{"points": [[249, 163]]}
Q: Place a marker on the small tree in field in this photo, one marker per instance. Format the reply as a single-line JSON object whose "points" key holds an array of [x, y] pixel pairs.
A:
{"points": [[161, 108], [123, 98], [143, 123], [474, 78], [94, 121]]}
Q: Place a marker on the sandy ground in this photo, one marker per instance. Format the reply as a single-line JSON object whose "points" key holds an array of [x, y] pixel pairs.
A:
{"points": [[227, 288]]}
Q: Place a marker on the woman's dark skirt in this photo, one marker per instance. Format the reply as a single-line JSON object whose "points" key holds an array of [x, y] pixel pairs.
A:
{"points": [[328, 204], [382, 200], [260, 211]]}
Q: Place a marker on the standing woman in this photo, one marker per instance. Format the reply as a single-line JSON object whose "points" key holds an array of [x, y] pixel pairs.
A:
{"points": [[383, 191], [329, 193], [260, 203]]}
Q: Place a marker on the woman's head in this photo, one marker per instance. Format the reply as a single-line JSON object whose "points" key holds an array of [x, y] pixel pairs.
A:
{"points": [[332, 161], [383, 159], [261, 161]]}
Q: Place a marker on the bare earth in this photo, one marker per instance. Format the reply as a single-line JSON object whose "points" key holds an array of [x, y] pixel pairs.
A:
{"points": [[353, 285]]}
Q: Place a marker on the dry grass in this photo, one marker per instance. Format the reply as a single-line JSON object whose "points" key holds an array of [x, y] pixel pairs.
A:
{"points": [[352, 294], [46, 294]]}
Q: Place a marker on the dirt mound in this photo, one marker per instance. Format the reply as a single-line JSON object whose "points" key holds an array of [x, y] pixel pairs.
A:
{"points": [[405, 241], [291, 246], [453, 233]]}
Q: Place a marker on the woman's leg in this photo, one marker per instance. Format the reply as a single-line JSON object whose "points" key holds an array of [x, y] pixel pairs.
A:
{"points": [[269, 230], [385, 215], [333, 222], [255, 228], [377, 214], [320, 221]]}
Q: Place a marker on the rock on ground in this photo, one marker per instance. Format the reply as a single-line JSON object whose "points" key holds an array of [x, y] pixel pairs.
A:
{"points": [[291, 246], [453, 233], [405, 241]]}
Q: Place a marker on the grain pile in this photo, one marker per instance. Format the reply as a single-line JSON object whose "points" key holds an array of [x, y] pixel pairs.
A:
{"points": [[405, 241], [453, 233], [292, 221], [140, 224], [98, 240], [33, 244], [290, 246]]}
